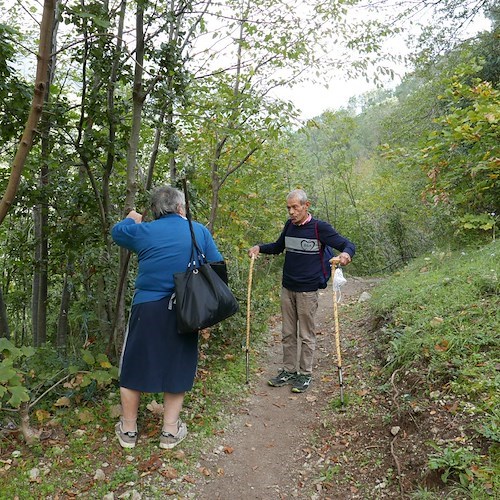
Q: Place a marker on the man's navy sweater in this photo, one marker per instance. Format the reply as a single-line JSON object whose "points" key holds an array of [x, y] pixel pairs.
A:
{"points": [[303, 269]]}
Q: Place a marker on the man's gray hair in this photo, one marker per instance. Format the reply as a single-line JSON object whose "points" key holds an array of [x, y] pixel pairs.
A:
{"points": [[166, 200], [300, 194]]}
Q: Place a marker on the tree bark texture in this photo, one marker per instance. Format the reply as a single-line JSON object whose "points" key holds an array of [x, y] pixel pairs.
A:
{"points": [[41, 80]]}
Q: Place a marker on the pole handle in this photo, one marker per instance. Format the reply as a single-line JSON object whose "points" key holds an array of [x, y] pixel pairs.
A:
{"points": [[334, 261]]}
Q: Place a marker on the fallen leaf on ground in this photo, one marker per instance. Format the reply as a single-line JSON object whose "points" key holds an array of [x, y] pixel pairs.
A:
{"points": [[42, 415], [442, 346], [155, 408], [169, 473], [179, 455], [85, 416], [205, 471], [64, 401], [436, 321], [152, 464]]}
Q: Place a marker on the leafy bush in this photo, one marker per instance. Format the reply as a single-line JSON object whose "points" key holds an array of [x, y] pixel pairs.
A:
{"points": [[28, 376]]}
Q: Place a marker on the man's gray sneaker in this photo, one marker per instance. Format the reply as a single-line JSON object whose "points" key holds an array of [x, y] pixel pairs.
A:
{"points": [[168, 440], [282, 379], [126, 439], [301, 383]]}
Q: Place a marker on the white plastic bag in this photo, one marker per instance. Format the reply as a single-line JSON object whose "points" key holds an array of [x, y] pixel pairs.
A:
{"points": [[338, 281]]}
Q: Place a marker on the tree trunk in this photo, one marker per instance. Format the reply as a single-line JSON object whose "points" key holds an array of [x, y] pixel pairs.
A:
{"points": [[62, 321], [138, 103], [40, 277], [138, 96], [105, 304], [42, 214], [30, 435], [35, 287], [112, 119], [4, 324], [41, 80], [154, 152]]}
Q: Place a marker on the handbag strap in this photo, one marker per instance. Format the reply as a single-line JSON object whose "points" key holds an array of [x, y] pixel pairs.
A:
{"points": [[200, 255]]}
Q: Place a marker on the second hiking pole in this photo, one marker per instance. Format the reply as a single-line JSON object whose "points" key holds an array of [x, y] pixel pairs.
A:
{"points": [[249, 294], [335, 262]]}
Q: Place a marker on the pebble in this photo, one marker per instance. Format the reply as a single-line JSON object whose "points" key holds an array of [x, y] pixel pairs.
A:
{"points": [[99, 475]]}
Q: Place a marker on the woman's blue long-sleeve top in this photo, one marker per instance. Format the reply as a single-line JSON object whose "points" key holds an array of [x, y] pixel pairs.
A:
{"points": [[163, 248]]}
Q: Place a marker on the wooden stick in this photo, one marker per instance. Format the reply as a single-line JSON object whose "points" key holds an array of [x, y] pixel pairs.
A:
{"points": [[249, 293], [335, 261]]}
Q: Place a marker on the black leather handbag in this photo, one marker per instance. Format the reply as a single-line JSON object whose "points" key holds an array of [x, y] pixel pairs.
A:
{"points": [[202, 297]]}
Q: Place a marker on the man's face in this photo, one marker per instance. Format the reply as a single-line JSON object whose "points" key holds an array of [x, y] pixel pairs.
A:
{"points": [[296, 210]]}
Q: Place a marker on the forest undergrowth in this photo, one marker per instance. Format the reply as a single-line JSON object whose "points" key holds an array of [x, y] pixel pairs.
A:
{"points": [[431, 330]]}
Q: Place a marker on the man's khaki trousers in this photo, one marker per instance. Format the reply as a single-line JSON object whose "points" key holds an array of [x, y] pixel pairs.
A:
{"points": [[298, 331]]}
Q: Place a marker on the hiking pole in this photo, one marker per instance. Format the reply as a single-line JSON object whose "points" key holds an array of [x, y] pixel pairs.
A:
{"points": [[335, 261], [248, 316]]}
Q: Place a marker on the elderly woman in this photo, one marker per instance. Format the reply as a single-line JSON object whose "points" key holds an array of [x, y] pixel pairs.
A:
{"points": [[155, 357]]}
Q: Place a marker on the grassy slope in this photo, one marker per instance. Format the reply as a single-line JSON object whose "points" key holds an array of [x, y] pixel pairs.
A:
{"points": [[441, 329]]}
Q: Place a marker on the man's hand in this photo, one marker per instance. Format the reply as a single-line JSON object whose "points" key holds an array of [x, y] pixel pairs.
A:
{"points": [[342, 258], [254, 251], [137, 217]]}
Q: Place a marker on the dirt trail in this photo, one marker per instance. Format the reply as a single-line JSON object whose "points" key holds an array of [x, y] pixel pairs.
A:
{"points": [[283, 445]]}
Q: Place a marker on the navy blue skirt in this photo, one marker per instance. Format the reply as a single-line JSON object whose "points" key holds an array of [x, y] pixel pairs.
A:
{"points": [[155, 356]]}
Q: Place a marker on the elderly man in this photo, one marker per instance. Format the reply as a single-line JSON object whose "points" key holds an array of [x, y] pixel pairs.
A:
{"points": [[304, 239]]}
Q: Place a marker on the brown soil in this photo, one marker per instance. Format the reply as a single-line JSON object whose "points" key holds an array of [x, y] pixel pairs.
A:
{"points": [[282, 445]]}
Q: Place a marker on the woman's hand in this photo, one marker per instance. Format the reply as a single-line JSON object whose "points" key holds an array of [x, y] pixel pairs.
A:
{"points": [[137, 217]]}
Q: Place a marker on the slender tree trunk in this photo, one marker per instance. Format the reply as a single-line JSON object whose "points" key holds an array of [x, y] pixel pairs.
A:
{"points": [[42, 279], [4, 324], [138, 103], [41, 79], [218, 178], [118, 326], [62, 321], [42, 214], [40, 276], [154, 153], [106, 304], [112, 118], [35, 287], [172, 162]]}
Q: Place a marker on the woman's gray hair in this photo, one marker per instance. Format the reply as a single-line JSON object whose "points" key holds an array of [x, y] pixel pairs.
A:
{"points": [[166, 200], [300, 194]]}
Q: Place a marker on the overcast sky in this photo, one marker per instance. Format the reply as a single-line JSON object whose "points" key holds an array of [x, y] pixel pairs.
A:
{"points": [[312, 100]]}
